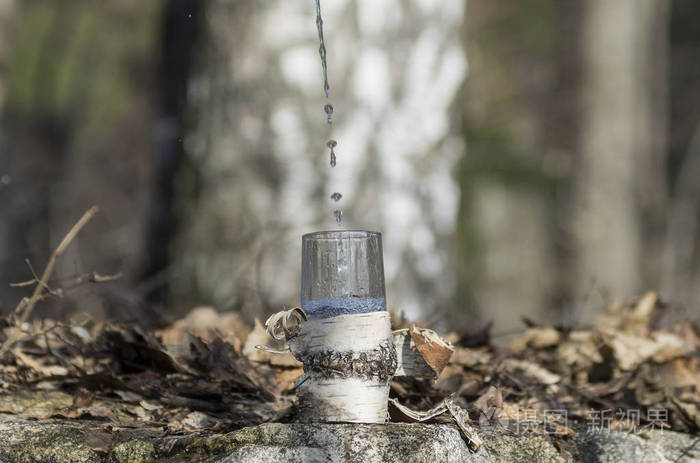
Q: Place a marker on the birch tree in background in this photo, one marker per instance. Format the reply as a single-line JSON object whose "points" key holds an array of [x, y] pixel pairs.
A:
{"points": [[560, 175], [258, 175]]}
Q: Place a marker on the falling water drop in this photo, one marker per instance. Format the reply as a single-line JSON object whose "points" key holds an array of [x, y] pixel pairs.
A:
{"points": [[338, 216], [332, 144], [329, 112], [336, 196]]}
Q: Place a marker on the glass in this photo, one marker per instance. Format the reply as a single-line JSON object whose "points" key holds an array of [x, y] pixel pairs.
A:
{"points": [[342, 272]]}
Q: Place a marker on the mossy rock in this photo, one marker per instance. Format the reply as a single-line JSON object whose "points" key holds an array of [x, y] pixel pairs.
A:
{"points": [[77, 441]]}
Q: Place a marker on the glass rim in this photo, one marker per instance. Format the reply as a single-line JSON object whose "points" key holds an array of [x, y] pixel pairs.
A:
{"points": [[340, 234]]}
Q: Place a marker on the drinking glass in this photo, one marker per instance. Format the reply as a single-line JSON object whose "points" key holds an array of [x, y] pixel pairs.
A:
{"points": [[342, 272]]}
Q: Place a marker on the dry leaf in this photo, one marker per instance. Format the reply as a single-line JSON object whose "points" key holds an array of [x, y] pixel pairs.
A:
{"points": [[579, 351], [206, 323], [634, 319], [530, 371], [537, 337], [470, 357], [630, 350]]}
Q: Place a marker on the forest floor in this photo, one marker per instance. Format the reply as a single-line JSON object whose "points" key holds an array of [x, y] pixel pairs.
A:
{"points": [[203, 375]]}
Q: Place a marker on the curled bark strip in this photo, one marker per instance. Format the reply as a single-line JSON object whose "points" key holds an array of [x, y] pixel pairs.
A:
{"points": [[271, 350], [461, 417], [278, 325], [448, 405]]}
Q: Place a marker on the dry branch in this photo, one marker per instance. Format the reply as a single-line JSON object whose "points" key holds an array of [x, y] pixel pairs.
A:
{"points": [[26, 306]]}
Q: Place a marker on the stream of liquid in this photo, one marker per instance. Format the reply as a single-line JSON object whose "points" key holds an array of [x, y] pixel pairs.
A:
{"points": [[322, 48], [327, 108]]}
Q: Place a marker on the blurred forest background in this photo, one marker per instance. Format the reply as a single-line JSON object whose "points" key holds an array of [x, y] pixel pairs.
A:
{"points": [[534, 159]]}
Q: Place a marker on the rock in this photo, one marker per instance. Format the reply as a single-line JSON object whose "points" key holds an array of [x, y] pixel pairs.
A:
{"points": [[133, 451], [344, 442], [443, 443], [646, 445], [64, 441], [23, 441]]}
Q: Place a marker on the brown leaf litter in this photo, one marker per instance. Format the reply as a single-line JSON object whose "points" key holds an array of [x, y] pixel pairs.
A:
{"points": [[203, 374]]}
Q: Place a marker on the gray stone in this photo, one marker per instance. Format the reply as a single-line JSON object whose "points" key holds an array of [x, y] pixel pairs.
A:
{"points": [[133, 451], [348, 442], [64, 441], [647, 445], [23, 441]]}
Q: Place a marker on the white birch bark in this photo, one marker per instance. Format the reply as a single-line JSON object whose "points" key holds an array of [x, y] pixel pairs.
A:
{"points": [[333, 391]]}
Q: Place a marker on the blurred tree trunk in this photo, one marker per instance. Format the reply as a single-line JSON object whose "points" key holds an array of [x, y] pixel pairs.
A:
{"points": [[179, 36], [514, 176], [7, 15], [620, 186], [681, 260], [77, 126], [7, 10]]}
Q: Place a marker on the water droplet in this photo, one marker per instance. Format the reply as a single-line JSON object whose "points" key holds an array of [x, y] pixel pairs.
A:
{"points": [[336, 196], [329, 112], [332, 144], [338, 216]]}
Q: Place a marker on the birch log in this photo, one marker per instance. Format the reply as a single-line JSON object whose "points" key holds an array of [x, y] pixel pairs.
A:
{"points": [[348, 363]]}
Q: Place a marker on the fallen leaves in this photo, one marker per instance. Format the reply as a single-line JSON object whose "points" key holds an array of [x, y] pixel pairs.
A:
{"points": [[625, 366], [207, 323], [537, 337], [530, 371], [205, 374], [127, 376]]}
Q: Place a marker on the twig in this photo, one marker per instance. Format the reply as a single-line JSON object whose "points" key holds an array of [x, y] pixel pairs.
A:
{"points": [[91, 277], [74, 280], [27, 306], [686, 450], [28, 282]]}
